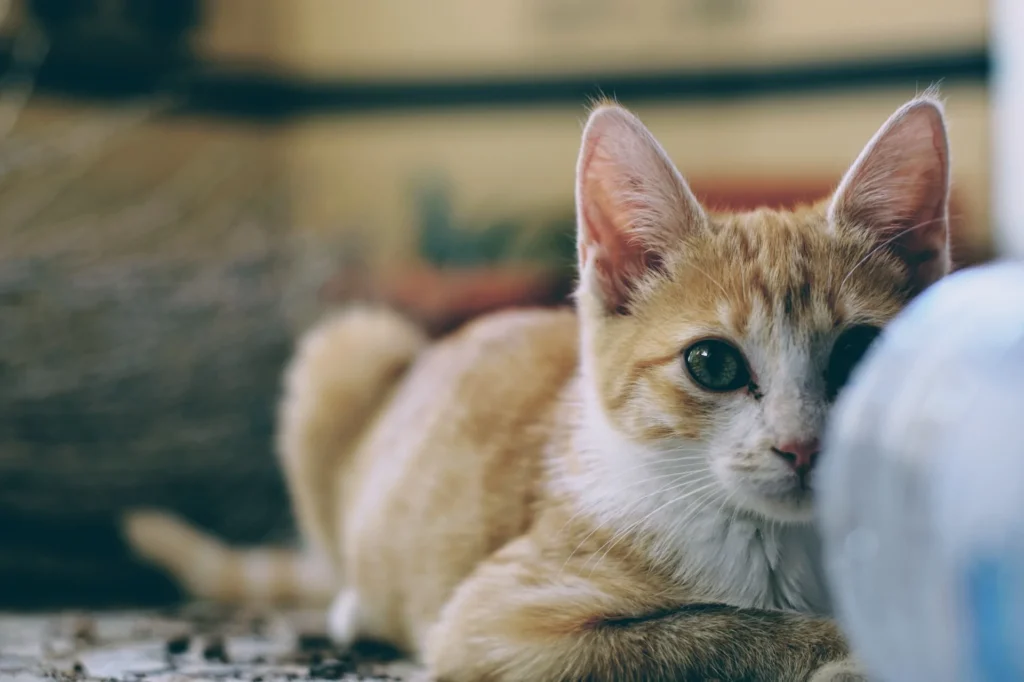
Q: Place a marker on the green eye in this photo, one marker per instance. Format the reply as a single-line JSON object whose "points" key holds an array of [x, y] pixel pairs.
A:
{"points": [[717, 365]]}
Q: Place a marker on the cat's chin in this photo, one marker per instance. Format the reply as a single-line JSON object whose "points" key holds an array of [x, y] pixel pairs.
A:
{"points": [[794, 506], [767, 495]]}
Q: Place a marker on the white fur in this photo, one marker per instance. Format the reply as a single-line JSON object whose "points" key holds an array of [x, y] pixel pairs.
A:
{"points": [[729, 555], [846, 670], [343, 618]]}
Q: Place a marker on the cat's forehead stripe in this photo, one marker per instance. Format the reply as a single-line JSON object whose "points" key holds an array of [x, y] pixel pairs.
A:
{"points": [[789, 268], [774, 263]]}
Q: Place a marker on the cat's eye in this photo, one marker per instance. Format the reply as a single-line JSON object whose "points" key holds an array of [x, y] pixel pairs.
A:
{"points": [[716, 365], [847, 352]]}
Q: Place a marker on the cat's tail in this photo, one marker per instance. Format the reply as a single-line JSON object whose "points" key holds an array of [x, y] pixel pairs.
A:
{"points": [[343, 371], [206, 568]]}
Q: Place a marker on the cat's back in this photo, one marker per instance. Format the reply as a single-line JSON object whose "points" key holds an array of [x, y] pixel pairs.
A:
{"points": [[448, 472], [490, 375]]}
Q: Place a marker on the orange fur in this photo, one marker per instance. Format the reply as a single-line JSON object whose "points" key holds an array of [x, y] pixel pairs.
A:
{"points": [[500, 516]]}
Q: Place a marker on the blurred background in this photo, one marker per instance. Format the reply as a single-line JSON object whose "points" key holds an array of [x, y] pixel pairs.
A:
{"points": [[185, 184]]}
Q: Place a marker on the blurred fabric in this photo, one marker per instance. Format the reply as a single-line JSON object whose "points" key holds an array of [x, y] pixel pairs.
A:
{"points": [[142, 333]]}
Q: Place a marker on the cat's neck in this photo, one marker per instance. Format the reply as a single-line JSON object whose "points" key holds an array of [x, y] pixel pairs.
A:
{"points": [[684, 522]]}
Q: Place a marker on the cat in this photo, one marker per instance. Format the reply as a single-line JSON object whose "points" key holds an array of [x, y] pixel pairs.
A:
{"points": [[619, 492]]}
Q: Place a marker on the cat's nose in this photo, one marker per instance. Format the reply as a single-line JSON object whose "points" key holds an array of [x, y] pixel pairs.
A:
{"points": [[799, 455]]}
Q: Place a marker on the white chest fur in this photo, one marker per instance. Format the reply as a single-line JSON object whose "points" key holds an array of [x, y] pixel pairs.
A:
{"points": [[672, 500]]}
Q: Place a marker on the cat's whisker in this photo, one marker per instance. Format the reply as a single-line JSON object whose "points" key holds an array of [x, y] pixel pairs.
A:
{"points": [[682, 475], [725, 500], [598, 526], [662, 476], [735, 509], [636, 524], [666, 461], [668, 456], [695, 508], [669, 487]]}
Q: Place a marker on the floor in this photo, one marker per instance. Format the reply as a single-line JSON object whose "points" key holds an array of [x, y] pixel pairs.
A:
{"points": [[198, 643]]}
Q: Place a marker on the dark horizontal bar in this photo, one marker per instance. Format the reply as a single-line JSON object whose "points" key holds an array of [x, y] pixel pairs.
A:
{"points": [[240, 93], [218, 89]]}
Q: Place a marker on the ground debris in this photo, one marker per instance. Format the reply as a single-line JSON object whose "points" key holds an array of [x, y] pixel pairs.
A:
{"points": [[200, 643], [178, 645]]}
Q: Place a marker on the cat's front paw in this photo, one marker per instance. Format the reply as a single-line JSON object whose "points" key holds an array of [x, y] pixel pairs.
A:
{"points": [[343, 618], [845, 670]]}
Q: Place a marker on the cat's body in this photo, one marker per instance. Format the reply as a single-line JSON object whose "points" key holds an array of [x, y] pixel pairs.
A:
{"points": [[620, 493]]}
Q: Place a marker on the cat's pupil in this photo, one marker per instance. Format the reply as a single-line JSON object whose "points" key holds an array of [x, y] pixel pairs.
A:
{"points": [[716, 365], [846, 354]]}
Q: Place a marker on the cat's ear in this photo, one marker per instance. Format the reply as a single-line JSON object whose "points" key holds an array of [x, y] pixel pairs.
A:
{"points": [[899, 189], [632, 205]]}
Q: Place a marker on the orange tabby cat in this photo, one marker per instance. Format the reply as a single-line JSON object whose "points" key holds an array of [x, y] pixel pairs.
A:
{"points": [[619, 493]]}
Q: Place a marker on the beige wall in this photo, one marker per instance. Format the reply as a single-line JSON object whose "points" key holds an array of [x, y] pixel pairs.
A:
{"points": [[414, 38], [355, 172], [241, 31], [410, 38]]}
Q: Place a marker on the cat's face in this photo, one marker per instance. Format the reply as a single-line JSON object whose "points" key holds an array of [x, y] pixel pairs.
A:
{"points": [[721, 341]]}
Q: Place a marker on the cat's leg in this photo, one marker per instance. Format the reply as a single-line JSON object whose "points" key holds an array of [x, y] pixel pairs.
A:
{"points": [[520, 617]]}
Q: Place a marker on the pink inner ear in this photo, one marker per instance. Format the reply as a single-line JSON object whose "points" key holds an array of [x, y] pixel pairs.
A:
{"points": [[900, 189], [605, 215], [903, 182], [607, 237], [631, 202], [601, 218]]}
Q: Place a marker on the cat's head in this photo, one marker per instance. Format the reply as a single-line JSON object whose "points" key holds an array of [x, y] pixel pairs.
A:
{"points": [[724, 338]]}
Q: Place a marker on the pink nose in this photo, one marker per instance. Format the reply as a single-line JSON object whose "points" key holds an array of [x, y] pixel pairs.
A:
{"points": [[799, 455]]}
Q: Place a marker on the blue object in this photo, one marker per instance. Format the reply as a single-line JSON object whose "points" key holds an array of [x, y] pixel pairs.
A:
{"points": [[921, 488], [993, 618]]}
